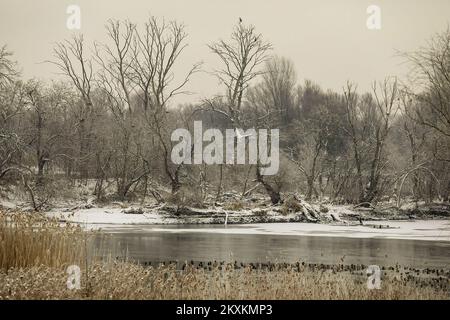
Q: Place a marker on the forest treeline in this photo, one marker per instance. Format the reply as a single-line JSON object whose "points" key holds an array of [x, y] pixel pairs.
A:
{"points": [[109, 122]]}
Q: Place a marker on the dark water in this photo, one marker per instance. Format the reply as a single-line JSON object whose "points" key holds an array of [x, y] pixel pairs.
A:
{"points": [[158, 246]]}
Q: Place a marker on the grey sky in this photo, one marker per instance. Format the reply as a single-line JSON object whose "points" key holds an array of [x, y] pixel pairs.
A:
{"points": [[327, 40]]}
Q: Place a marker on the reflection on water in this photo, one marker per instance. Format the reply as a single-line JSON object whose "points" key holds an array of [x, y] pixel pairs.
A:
{"points": [[158, 245]]}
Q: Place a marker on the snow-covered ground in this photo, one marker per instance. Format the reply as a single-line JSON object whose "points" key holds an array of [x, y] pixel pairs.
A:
{"points": [[114, 216]]}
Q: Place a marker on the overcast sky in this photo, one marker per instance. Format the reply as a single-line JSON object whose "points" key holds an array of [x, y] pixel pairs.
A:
{"points": [[327, 40]]}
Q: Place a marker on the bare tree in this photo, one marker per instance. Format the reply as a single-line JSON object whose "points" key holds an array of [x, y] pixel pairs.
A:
{"points": [[46, 129], [369, 120], [241, 58], [155, 51], [310, 151], [386, 97], [352, 104], [12, 102], [415, 134], [115, 61], [431, 70], [71, 59], [114, 79], [8, 71]]}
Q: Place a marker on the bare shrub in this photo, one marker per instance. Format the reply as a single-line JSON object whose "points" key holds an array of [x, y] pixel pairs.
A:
{"points": [[234, 206], [290, 205], [186, 197]]}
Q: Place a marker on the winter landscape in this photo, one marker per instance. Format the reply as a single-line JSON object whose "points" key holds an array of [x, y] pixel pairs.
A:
{"points": [[144, 155]]}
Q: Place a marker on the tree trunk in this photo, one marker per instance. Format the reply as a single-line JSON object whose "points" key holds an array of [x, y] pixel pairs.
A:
{"points": [[274, 195], [309, 193]]}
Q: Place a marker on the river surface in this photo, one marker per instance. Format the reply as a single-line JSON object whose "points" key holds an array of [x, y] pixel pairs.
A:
{"points": [[416, 244]]}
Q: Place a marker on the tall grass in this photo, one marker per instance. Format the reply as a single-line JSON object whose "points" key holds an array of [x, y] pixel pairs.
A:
{"points": [[131, 281], [29, 240]]}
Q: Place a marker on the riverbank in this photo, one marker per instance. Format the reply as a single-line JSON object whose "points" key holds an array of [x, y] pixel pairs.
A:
{"points": [[232, 209], [36, 252], [120, 213]]}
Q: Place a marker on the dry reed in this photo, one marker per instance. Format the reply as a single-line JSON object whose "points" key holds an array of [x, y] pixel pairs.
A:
{"points": [[131, 281], [28, 240]]}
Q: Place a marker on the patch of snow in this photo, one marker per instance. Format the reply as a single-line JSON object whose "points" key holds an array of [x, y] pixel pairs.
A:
{"points": [[7, 204], [107, 216]]}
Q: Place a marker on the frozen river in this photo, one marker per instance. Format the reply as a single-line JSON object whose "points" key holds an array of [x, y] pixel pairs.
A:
{"points": [[415, 243]]}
